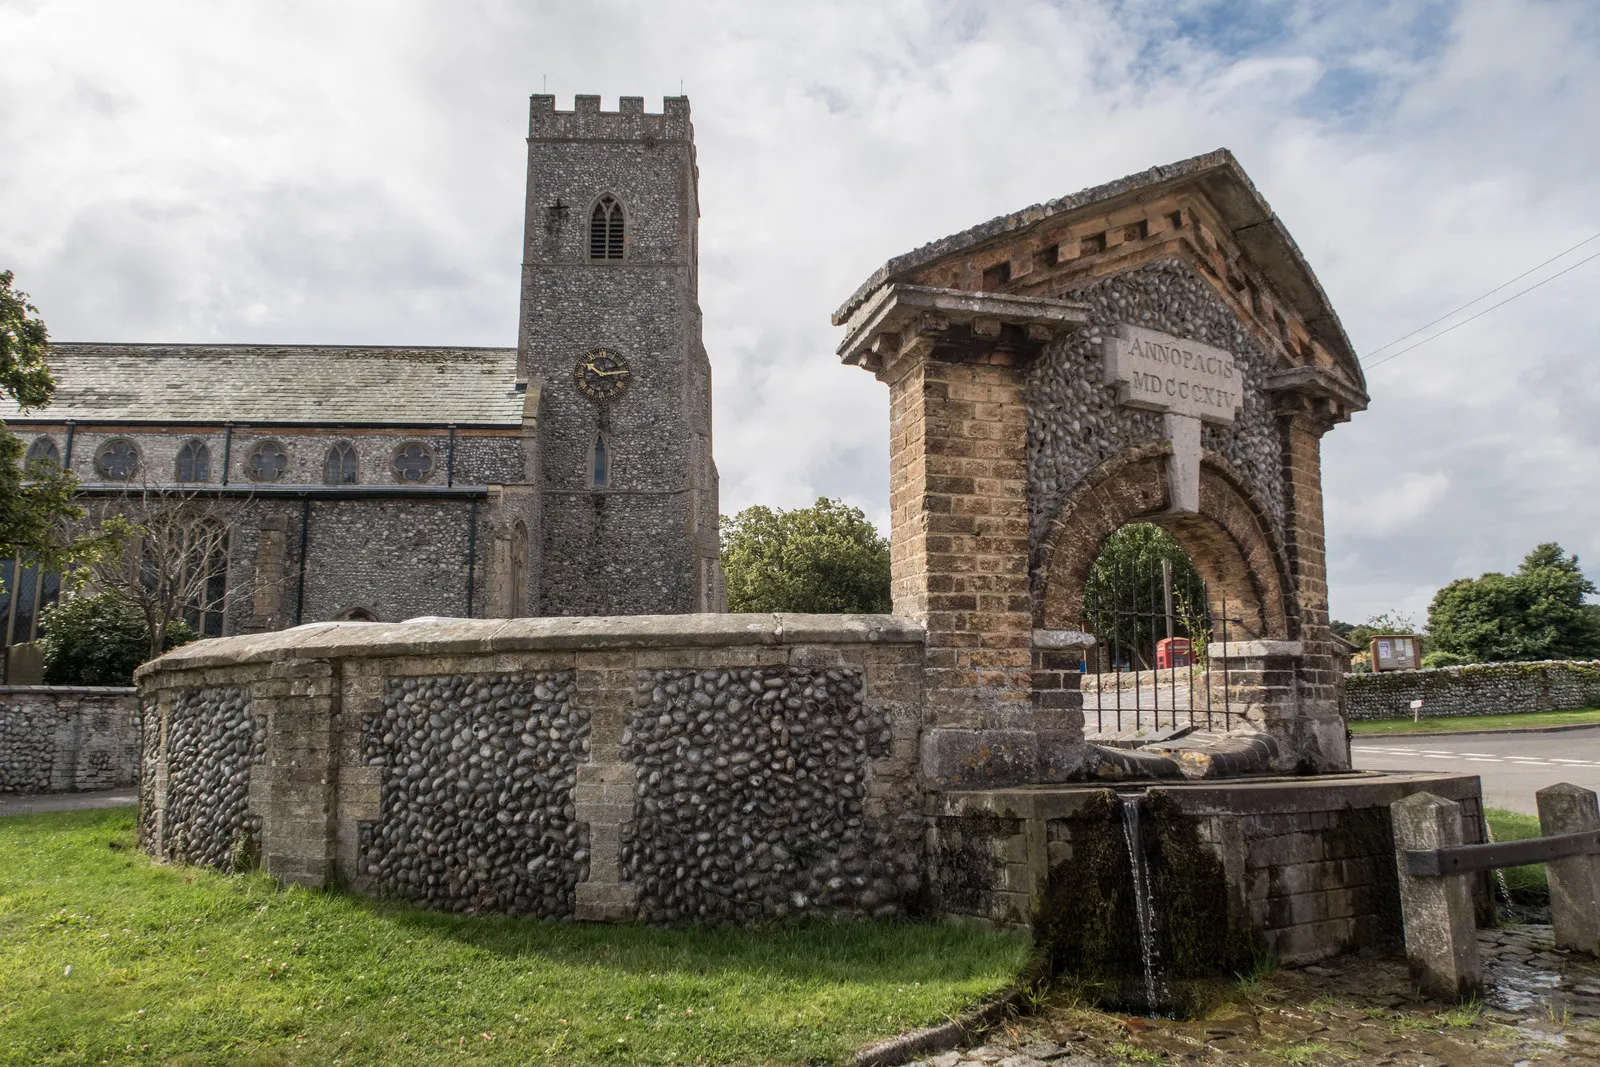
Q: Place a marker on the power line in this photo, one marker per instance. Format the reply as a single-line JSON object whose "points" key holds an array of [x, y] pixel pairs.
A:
{"points": [[1488, 309], [1482, 296]]}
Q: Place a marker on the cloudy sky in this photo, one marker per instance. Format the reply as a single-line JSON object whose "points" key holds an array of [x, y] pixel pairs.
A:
{"points": [[335, 171]]}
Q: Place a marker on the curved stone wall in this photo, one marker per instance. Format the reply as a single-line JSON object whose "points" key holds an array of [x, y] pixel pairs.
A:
{"points": [[668, 768], [211, 742], [477, 811]]}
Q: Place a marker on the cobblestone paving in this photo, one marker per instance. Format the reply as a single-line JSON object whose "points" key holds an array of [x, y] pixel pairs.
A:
{"points": [[1543, 1007]]}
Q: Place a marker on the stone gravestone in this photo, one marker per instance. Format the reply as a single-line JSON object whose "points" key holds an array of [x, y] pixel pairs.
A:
{"points": [[1189, 382]]}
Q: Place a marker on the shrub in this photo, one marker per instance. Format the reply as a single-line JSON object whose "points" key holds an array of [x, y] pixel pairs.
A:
{"points": [[1440, 658], [99, 639]]}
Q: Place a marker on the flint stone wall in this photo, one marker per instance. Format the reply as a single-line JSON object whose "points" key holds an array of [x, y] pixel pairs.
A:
{"points": [[65, 738], [1475, 689], [710, 767]]}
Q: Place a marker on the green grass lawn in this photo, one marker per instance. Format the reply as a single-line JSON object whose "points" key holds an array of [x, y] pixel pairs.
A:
{"points": [[106, 956], [1526, 885], [1458, 723]]}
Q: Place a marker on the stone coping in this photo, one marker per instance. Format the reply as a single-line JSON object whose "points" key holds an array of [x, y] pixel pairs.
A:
{"points": [[1259, 796], [68, 690], [436, 636], [1254, 649], [1062, 639]]}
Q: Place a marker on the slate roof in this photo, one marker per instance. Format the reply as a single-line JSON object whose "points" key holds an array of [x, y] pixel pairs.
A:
{"points": [[1253, 225], [281, 383]]}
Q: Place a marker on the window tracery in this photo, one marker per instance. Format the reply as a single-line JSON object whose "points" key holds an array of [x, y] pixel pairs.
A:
{"points": [[117, 460], [413, 462], [341, 466], [267, 462], [194, 462], [42, 450], [606, 229]]}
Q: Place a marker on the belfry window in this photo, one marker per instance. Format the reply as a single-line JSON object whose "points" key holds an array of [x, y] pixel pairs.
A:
{"points": [[194, 462], [42, 450], [600, 464], [341, 464], [606, 229]]}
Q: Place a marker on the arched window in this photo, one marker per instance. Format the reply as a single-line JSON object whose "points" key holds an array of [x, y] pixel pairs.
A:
{"points": [[357, 615], [606, 229], [600, 463], [42, 450], [200, 577], [117, 460], [267, 462], [413, 462], [194, 462], [341, 469]]}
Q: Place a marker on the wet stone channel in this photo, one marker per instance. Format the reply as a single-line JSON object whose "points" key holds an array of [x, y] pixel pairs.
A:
{"points": [[1543, 1007]]}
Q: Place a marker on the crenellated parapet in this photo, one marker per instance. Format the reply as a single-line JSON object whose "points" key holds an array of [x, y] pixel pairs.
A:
{"points": [[630, 122]]}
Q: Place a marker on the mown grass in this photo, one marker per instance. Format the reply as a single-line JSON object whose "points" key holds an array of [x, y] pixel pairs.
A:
{"points": [[106, 956], [1472, 723], [1526, 885]]}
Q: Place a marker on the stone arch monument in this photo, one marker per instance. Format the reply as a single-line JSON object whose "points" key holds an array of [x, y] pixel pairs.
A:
{"points": [[1154, 350]]}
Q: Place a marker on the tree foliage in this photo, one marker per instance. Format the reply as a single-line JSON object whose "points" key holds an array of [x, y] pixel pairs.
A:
{"points": [[825, 558], [1124, 605], [99, 639], [1392, 621], [36, 505], [1536, 613]]}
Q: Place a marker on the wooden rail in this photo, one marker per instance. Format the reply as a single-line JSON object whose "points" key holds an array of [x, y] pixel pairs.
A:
{"points": [[1464, 859]]}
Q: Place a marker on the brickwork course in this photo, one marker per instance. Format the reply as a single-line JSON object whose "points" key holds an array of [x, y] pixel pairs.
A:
{"points": [[471, 490]]}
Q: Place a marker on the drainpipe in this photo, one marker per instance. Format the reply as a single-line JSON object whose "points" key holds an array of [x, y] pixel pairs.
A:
{"points": [[66, 459], [472, 551], [450, 458], [300, 590], [227, 451]]}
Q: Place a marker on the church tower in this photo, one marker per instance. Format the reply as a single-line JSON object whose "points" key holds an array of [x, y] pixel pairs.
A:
{"points": [[610, 338]]}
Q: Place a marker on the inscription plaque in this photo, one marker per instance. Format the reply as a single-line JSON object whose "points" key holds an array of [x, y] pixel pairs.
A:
{"points": [[1159, 372]]}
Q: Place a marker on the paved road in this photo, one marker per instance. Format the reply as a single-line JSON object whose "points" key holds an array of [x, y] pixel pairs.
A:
{"points": [[1512, 766], [28, 805]]}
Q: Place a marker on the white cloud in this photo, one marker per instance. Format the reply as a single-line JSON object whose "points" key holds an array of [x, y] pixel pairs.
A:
{"points": [[352, 172]]}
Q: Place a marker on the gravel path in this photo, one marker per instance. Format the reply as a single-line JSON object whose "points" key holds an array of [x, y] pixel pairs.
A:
{"points": [[33, 803]]}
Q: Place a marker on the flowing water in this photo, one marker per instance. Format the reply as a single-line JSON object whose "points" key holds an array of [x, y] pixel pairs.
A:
{"points": [[1143, 906]]}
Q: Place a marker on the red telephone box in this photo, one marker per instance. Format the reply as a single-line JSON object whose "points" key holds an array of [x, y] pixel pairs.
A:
{"points": [[1174, 652]]}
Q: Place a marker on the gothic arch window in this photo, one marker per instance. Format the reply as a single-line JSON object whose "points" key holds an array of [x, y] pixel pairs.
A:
{"points": [[341, 467], [267, 462], [357, 615], [599, 463], [413, 462], [191, 560], [606, 229], [42, 450], [117, 460], [194, 462]]}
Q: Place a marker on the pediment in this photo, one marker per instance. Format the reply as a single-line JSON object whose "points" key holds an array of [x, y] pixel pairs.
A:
{"points": [[1202, 211]]}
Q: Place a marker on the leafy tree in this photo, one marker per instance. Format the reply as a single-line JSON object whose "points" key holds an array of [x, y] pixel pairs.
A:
{"points": [[1392, 621], [825, 558], [35, 505], [1123, 602], [99, 639], [1536, 613]]}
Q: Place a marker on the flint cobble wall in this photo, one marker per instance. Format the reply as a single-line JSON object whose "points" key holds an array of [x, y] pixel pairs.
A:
{"points": [[64, 738], [1475, 689], [703, 768]]}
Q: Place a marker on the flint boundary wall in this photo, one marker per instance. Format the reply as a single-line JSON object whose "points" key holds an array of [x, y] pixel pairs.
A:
{"points": [[67, 738], [711, 767], [1475, 689]]}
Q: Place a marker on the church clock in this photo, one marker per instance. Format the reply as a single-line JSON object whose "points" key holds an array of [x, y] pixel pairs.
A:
{"points": [[602, 374]]}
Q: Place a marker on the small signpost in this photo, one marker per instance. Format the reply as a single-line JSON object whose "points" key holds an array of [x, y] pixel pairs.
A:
{"points": [[1416, 711], [1396, 652]]}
